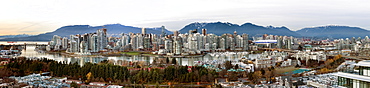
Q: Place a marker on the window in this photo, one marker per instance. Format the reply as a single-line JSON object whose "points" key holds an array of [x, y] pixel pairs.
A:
{"points": [[361, 70], [354, 84], [350, 82], [344, 82], [365, 71], [364, 84], [368, 71]]}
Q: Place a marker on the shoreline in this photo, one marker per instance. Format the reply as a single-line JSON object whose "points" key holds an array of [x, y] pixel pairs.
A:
{"points": [[124, 54]]}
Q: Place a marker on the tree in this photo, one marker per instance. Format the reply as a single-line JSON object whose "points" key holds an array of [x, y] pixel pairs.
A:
{"points": [[268, 75], [154, 62], [232, 76], [228, 65], [169, 73], [156, 85], [89, 77], [204, 78], [173, 61], [101, 79], [300, 47], [237, 66], [324, 70], [256, 76], [74, 85], [210, 77], [337, 57], [222, 73], [167, 60]]}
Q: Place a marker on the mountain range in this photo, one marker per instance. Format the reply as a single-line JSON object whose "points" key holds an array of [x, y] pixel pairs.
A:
{"points": [[65, 31], [331, 31], [14, 36], [220, 28], [334, 32], [217, 28]]}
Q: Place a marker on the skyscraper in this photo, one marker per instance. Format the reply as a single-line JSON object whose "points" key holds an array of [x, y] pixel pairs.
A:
{"points": [[163, 31], [245, 42], [177, 45], [176, 33], [168, 45], [103, 41], [143, 31], [94, 43], [64, 43], [74, 43], [204, 32]]}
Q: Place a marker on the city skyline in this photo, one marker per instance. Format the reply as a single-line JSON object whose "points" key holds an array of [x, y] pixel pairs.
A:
{"points": [[36, 16]]}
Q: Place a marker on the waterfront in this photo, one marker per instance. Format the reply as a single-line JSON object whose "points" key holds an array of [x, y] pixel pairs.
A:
{"points": [[189, 61], [20, 42]]}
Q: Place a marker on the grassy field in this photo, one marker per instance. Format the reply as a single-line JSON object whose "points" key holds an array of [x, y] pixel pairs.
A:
{"points": [[149, 54], [285, 69], [137, 53], [131, 53]]}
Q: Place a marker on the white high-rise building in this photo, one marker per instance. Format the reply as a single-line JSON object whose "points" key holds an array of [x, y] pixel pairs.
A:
{"points": [[64, 43], [168, 45], [94, 43], [125, 39], [222, 44], [177, 45], [56, 42], [83, 47], [143, 31], [103, 40], [74, 43]]}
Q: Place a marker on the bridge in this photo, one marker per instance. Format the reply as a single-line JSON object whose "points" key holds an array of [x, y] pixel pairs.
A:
{"points": [[21, 45], [357, 57]]}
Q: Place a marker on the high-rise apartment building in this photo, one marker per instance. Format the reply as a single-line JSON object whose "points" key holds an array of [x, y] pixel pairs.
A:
{"points": [[143, 31], [245, 42], [103, 40], [94, 39]]}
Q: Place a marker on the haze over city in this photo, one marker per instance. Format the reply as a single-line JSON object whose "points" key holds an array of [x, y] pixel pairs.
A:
{"points": [[40, 16]]}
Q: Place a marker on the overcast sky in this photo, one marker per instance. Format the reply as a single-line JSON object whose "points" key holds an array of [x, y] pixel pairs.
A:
{"points": [[40, 16]]}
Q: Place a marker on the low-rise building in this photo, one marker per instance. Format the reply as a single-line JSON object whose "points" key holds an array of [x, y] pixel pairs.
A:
{"points": [[355, 78]]}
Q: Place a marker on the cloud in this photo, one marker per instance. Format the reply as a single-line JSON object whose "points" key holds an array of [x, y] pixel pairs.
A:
{"points": [[26, 27], [175, 14]]}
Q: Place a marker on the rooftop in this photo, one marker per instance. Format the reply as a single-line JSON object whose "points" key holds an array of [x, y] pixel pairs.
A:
{"points": [[353, 76], [365, 63], [265, 41]]}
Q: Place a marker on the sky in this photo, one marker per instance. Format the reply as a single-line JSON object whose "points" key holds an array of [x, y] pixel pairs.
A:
{"points": [[41, 16]]}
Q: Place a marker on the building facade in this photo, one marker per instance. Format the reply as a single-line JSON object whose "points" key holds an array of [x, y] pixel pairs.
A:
{"points": [[352, 78]]}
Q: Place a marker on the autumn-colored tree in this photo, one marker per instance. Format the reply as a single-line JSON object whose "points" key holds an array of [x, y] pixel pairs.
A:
{"points": [[88, 76], [268, 75], [324, 70], [337, 57], [256, 76], [327, 62]]}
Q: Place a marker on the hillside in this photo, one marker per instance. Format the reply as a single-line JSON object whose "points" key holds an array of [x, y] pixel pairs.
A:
{"points": [[220, 28], [334, 32], [14, 36], [65, 31]]}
